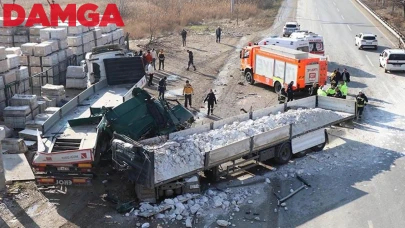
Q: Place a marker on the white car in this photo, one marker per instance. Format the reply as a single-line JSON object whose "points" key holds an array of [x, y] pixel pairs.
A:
{"points": [[364, 40], [393, 60], [290, 27]]}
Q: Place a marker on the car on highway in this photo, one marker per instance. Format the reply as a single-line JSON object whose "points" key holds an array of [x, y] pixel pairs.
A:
{"points": [[290, 27], [364, 40], [393, 60]]}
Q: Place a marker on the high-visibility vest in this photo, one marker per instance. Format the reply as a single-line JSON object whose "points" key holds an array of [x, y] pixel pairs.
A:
{"points": [[322, 93]]}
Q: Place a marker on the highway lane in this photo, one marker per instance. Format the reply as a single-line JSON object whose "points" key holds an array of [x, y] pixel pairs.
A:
{"points": [[371, 191]]}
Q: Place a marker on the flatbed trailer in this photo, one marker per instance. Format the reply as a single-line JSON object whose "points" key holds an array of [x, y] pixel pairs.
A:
{"points": [[280, 143]]}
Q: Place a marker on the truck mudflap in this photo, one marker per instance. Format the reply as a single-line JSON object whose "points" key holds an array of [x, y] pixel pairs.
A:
{"points": [[64, 180]]}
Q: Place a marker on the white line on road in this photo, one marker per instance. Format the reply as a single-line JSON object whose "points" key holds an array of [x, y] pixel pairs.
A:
{"points": [[321, 27], [348, 26], [373, 24], [369, 60], [318, 17], [342, 17], [334, 3], [370, 224], [338, 9]]}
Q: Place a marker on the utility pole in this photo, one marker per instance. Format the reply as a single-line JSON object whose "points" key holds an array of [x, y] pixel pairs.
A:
{"points": [[232, 3]]}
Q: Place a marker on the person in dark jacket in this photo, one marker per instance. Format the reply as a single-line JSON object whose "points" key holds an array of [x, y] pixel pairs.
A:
{"points": [[162, 88], [282, 96], [338, 76], [345, 76], [361, 101], [184, 37], [218, 33], [290, 92], [161, 58], [211, 100], [313, 91], [190, 60]]}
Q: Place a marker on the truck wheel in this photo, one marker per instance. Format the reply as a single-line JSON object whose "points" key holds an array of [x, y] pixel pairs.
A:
{"points": [[249, 77], [277, 87], [385, 70], [283, 154]]}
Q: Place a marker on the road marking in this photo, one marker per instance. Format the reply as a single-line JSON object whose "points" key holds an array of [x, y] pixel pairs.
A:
{"points": [[318, 17], [370, 224], [321, 27], [395, 45], [316, 9], [328, 57], [334, 3], [338, 9], [342, 17], [349, 28], [369, 60]]}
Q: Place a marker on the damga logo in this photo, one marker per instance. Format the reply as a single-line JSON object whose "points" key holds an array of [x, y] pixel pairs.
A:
{"points": [[71, 14]]}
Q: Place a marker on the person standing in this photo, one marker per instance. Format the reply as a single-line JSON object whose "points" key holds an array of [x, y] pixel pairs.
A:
{"points": [[150, 71], [346, 75], [338, 76], [211, 100], [161, 57], [184, 37], [361, 101], [154, 55], [148, 57], [190, 60], [187, 92], [290, 92], [218, 33], [314, 89], [162, 88]]}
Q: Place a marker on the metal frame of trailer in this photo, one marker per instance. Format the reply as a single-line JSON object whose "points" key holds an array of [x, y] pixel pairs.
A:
{"points": [[257, 148]]}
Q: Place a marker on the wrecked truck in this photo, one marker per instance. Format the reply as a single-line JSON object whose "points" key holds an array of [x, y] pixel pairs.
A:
{"points": [[155, 179]]}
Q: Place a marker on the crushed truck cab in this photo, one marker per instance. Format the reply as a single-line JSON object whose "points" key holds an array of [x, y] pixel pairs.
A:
{"points": [[278, 66]]}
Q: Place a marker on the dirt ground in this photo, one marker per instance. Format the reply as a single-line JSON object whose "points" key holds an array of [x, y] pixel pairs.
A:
{"points": [[23, 205]]}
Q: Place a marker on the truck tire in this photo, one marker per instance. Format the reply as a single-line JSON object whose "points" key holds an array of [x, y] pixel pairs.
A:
{"points": [[249, 77], [283, 153], [277, 87]]}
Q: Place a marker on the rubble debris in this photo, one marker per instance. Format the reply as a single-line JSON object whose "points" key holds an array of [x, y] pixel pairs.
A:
{"points": [[222, 223], [145, 225]]}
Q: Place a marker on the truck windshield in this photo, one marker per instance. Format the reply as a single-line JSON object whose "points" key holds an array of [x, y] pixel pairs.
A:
{"points": [[304, 49], [368, 38], [316, 46]]}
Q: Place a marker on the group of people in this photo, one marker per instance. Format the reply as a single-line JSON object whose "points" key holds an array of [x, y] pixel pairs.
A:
{"points": [[218, 33], [188, 91], [338, 89]]}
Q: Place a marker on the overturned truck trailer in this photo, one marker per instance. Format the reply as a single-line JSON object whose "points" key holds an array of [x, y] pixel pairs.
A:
{"points": [[164, 166]]}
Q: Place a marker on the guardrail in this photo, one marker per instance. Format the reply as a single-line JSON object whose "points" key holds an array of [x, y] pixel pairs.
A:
{"points": [[392, 29]]}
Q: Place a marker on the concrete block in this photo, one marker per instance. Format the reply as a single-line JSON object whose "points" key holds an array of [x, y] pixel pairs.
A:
{"points": [[7, 31], [35, 30], [45, 34], [14, 50], [51, 71], [74, 41], [87, 37], [75, 72], [52, 90], [50, 60], [69, 52], [97, 33], [12, 145], [29, 134], [2, 53], [2, 86], [50, 101], [43, 49], [24, 60], [35, 70], [24, 100], [42, 106], [76, 83], [28, 48], [24, 86], [6, 39], [54, 45], [63, 44], [15, 111], [2, 107], [35, 61], [9, 76], [21, 39], [13, 61], [34, 125], [77, 30], [62, 55], [2, 95], [51, 110], [35, 39], [58, 33], [4, 65], [77, 50], [22, 73]]}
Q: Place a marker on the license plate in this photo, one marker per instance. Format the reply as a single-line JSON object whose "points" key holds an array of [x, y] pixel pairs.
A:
{"points": [[194, 186], [63, 169], [369, 42], [64, 182]]}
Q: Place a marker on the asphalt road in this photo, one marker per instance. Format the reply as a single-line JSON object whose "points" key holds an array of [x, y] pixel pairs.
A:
{"points": [[367, 188]]}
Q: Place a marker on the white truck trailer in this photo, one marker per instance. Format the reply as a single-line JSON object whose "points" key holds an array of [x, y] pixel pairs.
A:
{"points": [[280, 143]]}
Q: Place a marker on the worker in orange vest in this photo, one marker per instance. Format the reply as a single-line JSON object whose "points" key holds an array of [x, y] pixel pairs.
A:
{"points": [[187, 92]]}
